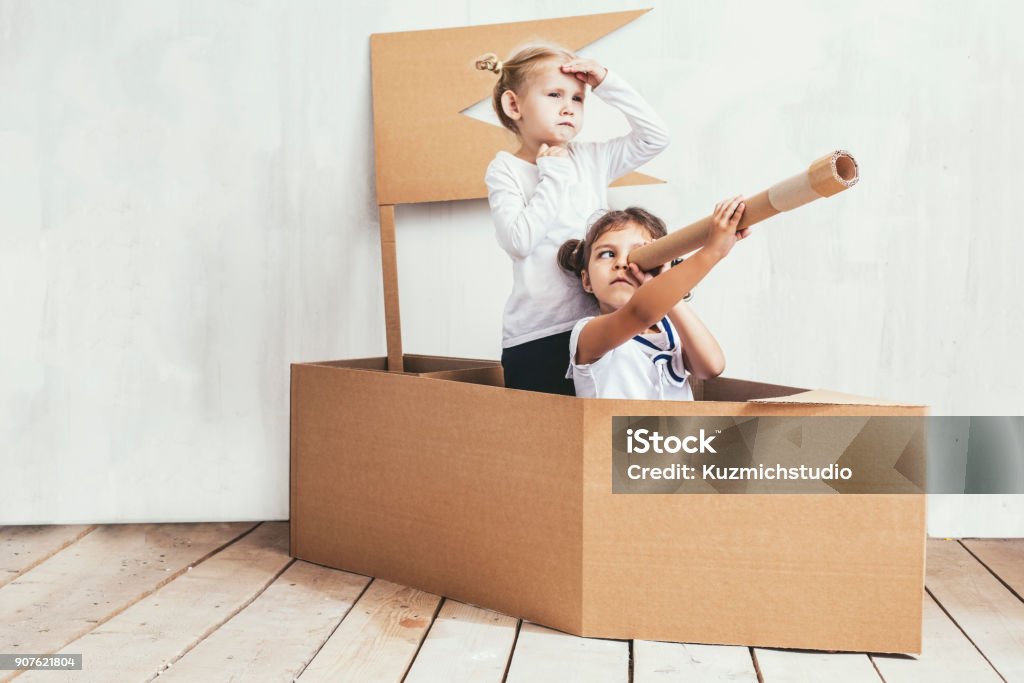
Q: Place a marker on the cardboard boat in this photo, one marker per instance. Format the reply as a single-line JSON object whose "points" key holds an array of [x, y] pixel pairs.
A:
{"points": [[426, 471]]}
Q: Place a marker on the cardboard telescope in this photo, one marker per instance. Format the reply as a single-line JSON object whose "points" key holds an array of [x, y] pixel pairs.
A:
{"points": [[829, 175]]}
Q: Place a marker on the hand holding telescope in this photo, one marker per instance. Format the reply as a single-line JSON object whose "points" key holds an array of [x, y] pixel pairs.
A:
{"points": [[827, 176]]}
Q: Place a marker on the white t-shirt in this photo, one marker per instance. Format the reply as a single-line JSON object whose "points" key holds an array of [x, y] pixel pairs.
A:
{"points": [[537, 207], [648, 366]]}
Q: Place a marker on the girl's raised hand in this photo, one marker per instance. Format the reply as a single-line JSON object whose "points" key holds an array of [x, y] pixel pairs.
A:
{"points": [[640, 276], [587, 70], [724, 222]]}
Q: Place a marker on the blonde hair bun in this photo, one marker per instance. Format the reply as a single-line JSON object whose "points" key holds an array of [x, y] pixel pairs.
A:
{"points": [[489, 62]]}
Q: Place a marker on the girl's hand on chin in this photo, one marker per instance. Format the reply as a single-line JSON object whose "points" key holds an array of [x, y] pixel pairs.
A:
{"points": [[551, 151]]}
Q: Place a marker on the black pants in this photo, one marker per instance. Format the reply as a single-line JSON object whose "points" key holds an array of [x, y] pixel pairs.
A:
{"points": [[539, 365]]}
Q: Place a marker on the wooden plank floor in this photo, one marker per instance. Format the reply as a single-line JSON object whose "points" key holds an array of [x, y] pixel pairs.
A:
{"points": [[225, 602]]}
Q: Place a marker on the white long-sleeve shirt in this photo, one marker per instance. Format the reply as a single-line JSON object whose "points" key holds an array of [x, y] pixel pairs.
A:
{"points": [[537, 207]]}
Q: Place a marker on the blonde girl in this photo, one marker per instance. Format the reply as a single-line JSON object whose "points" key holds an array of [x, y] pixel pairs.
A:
{"points": [[544, 193], [645, 343]]}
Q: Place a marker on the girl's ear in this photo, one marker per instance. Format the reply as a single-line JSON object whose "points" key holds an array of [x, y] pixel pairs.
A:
{"points": [[585, 277], [510, 105]]}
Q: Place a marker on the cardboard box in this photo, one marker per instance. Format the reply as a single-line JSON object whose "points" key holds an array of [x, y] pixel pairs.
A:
{"points": [[441, 479]]}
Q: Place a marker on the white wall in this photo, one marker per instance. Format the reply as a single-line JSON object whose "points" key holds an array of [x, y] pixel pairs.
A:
{"points": [[188, 207]]}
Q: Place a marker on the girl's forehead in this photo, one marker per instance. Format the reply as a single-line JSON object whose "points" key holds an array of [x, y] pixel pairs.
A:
{"points": [[549, 74], [625, 233]]}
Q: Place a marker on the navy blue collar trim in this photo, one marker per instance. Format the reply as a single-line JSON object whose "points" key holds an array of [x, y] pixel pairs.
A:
{"points": [[668, 331], [666, 356]]}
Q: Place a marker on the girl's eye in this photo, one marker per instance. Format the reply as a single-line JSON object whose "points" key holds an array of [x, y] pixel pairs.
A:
{"points": [[553, 94], [606, 253], [578, 98]]}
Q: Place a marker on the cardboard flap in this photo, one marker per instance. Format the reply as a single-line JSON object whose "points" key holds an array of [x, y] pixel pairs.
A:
{"points": [[427, 150], [730, 389], [823, 396]]}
